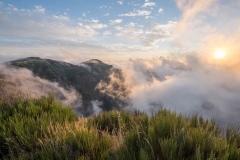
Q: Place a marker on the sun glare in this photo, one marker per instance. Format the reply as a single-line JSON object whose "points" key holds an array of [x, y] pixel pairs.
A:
{"points": [[219, 54]]}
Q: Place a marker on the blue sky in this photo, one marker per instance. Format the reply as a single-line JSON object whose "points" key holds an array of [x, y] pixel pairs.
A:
{"points": [[116, 30], [99, 9]]}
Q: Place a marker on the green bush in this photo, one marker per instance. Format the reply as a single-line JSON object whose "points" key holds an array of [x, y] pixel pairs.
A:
{"points": [[44, 129], [29, 130], [170, 136]]}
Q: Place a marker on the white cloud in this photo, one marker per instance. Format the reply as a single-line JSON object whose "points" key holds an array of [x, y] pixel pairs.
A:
{"points": [[1, 4], [24, 79], [99, 26], [11, 7], [39, 9], [131, 31], [120, 2], [150, 37], [136, 13], [107, 14], [202, 26], [107, 33], [131, 24], [186, 85], [92, 20], [118, 28], [32, 32], [68, 51], [160, 10], [116, 21], [103, 6], [149, 4], [190, 11], [61, 17], [148, 17], [134, 4], [32, 25], [158, 32], [84, 14], [94, 23]]}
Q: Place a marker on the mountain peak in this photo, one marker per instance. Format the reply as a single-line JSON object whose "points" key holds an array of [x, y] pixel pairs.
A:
{"points": [[94, 61], [97, 64], [84, 78], [33, 58], [29, 59]]}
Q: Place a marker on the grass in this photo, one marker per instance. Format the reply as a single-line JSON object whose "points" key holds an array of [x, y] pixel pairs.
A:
{"points": [[44, 129]]}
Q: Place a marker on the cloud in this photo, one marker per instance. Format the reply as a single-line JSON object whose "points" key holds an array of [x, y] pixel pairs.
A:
{"points": [[1, 4], [112, 89], [103, 6], [158, 32], [202, 27], [21, 81], [99, 26], [84, 14], [66, 51], [116, 21], [186, 85], [40, 9], [120, 2], [27, 32], [94, 23], [106, 7], [61, 17], [107, 33], [92, 20], [11, 7], [150, 37], [149, 4], [96, 107], [190, 10], [160, 10], [136, 13], [129, 30], [115, 88], [22, 24]]}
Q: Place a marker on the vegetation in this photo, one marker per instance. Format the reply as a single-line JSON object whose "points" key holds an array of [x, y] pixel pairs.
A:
{"points": [[44, 129]]}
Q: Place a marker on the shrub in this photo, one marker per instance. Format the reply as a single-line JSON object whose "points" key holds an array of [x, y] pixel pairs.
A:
{"points": [[44, 129]]}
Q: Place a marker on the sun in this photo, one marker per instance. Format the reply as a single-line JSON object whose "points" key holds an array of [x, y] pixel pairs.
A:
{"points": [[219, 54]]}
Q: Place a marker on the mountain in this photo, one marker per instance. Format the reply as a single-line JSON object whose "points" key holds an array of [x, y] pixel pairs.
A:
{"points": [[84, 78]]}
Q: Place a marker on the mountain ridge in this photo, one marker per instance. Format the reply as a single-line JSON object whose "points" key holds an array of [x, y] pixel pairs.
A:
{"points": [[84, 78]]}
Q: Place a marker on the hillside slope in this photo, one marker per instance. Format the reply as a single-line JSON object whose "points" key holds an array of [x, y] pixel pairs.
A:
{"points": [[44, 129], [83, 77]]}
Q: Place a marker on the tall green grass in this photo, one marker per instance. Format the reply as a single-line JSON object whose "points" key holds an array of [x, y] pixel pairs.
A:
{"points": [[44, 129]]}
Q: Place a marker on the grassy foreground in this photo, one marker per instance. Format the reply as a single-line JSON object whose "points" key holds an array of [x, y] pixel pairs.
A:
{"points": [[44, 129]]}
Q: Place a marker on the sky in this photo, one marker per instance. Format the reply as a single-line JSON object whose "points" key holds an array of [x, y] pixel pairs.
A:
{"points": [[178, 54], [77, 30]]}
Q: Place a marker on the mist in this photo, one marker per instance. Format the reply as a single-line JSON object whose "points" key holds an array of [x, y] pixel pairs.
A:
{"points": [[187, 85], [22, 82]]}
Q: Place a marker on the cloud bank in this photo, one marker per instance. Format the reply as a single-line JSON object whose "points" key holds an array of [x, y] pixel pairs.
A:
{"points": [[187, 85]]}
